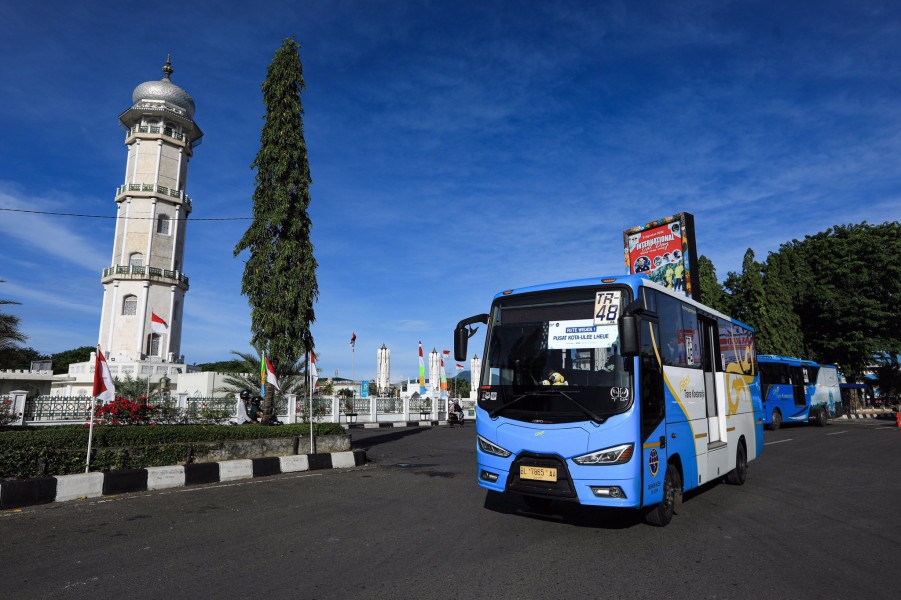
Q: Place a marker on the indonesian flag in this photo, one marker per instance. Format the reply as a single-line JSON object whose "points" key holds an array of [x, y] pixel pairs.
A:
{"points": [[314, 376], [446, 353], [157, 323], [460, 367], [270, 375], [104, 388], [353, 340]]}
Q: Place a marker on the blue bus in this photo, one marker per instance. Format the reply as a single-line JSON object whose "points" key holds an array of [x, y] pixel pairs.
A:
{"points": [[794, 390], [612, 392]]}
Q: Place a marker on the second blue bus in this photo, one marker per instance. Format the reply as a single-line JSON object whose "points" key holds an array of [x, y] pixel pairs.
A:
{"points": [[794, 390]]}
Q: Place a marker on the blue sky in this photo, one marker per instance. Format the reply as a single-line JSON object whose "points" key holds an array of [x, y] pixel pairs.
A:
{"points": [[457, 148]]}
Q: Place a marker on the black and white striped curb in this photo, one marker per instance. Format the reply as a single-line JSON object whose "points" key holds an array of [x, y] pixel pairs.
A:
{"points": [[884, 415], [392, 424], [17, 493]]}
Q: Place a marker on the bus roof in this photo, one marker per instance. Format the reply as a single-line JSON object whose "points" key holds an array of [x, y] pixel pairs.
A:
{"points": [[633, 281], [790, 360]]}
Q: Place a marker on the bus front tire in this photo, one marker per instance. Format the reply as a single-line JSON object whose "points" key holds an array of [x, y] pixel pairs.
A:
{"points": [[662, 514], [776, 422], [739, 474]]}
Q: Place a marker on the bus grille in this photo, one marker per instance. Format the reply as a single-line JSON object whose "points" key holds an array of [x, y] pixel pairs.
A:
{"points": [[562, 488]]}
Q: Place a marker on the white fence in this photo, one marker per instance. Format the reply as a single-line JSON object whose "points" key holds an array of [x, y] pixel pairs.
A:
{"points": [[63, 410]]}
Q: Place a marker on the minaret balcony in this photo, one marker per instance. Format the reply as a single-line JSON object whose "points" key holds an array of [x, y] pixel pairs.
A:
{"points": [[150, 189], [144, 272]]}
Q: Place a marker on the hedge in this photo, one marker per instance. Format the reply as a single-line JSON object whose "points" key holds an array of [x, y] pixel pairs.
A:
{"points": [[39, 451]]}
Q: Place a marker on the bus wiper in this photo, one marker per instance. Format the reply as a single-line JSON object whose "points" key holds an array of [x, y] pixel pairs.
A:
{"points": [[585, 410]]}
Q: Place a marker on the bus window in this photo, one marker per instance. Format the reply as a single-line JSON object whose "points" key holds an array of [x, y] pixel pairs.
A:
{"points": [[688, 338], [670, 312]]}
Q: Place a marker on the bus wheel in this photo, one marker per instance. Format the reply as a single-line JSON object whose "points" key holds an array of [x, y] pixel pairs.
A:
{"points": [[738, 475], [777, 420], [662, 514], [822, 417]]}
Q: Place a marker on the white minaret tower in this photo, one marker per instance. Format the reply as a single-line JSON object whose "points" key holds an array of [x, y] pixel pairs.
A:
{"points": [[475, 371], [146, 276], [383, 374], [434, 373]]}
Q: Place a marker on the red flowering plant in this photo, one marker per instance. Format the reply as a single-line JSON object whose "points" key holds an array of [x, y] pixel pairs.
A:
{"points": [[7, 415], [123, 411]]}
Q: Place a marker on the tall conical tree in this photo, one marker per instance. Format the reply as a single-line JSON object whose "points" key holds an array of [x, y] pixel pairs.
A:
{"points": [[781, 331], [712, 293], [747, 296], [280, 273]]}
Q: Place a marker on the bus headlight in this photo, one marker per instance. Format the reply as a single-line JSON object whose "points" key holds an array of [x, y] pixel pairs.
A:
{"points": [[616, 455], [489, 448]]}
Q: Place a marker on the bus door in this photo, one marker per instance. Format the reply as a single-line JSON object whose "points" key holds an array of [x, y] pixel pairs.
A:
{"points": [[653, 415], [796, 378], [710, 362]]}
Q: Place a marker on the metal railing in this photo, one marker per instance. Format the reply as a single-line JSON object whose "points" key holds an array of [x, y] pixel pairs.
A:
{"points": [[141, 271], [58, 410]]}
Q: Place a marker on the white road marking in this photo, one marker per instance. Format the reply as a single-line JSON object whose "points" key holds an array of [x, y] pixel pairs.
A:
{"points": [[837, 433], [777, 442]]}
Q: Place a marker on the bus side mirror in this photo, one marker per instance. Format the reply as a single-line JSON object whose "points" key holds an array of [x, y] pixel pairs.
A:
{"points": [[463, 332], [461, 338], [628, 335]]}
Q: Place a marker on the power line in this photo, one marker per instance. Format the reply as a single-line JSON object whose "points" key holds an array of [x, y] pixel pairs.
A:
{"points": [[60, 214]]}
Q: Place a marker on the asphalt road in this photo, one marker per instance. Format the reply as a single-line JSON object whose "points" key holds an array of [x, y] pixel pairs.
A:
{"points": [[818, 518]]}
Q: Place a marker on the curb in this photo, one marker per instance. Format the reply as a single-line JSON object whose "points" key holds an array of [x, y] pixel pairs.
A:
{"points": [[16, 493], [393, 424], [885, 415]]}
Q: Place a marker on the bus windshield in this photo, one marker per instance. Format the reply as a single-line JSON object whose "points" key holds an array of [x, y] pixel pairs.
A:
{"points": [[549, 360]]}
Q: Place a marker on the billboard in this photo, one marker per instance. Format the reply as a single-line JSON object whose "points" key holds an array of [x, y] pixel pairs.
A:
{"points": [[665, 251]]}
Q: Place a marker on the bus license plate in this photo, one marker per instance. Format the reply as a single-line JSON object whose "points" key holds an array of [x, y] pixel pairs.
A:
{"points": [[538, 473]]}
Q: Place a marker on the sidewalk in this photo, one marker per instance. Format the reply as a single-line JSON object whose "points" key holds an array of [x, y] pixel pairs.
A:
{"points": [[16, 493], [870, 413]]}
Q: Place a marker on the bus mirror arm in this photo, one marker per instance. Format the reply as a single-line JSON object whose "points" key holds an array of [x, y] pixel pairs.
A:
{"points": [[463, 332]]}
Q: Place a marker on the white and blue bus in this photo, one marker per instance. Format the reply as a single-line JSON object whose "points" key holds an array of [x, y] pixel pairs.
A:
{"points": [[794, 390], [612, 392]]}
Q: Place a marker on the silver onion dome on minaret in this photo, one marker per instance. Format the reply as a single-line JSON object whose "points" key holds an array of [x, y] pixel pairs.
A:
{"points": [[166, 91]]}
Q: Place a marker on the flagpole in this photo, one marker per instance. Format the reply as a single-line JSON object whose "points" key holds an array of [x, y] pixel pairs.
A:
{"points": [[87, 465], [310, 369]]}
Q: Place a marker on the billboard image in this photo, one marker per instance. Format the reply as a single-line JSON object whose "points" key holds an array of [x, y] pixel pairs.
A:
{"points": [[665, 251]]}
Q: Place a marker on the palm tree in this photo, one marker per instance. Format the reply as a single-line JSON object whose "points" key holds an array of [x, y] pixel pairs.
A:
{"points": [[291, 378], [10, 336]]}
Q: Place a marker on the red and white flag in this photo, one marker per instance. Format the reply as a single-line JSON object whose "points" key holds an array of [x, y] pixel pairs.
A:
{"points": [[158, 324], [353, 340], [447, 353], [104, 388], [460, 367], [270, 375], [314, 376]]}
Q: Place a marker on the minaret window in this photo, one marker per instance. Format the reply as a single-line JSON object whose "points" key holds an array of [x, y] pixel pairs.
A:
{"points": [[136, 259], [154, 344], [162, 225], [130, 305]]}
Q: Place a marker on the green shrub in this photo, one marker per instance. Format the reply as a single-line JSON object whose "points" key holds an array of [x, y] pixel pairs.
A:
{"points": [[37, 451]]}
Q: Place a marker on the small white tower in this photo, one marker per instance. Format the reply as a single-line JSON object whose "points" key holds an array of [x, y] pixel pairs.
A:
{"points": [[475, 371], [383, 370], [144, 288], [434, 373]]}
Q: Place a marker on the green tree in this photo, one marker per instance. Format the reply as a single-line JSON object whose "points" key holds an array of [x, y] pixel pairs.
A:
{"points": [[460, 387], [225, 366], [19, 358], [712, 293], [62, 360], [848, 284], [781, 330], [747, 295], [291, 380], [10, 335], [280, 273]]}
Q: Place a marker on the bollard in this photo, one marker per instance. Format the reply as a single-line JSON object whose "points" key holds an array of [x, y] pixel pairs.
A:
{"points": [[898, 419]]}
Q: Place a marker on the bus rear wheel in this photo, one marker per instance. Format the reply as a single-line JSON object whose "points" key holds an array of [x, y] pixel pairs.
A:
{"points": [[822, 417], [739, 474], [776, 422], [662, 514]]}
